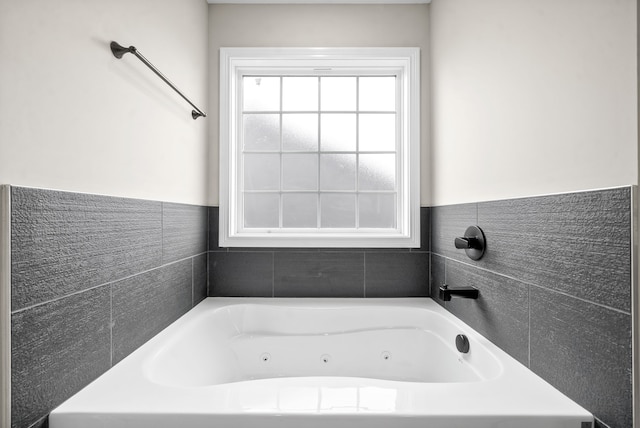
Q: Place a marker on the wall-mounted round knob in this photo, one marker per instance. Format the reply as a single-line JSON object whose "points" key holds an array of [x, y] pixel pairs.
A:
{"points": [[472, 242]]}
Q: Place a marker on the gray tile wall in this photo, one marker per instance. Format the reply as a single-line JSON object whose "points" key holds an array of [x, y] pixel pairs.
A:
{"points": [[93, 277], [555, 289], [313, 272]]}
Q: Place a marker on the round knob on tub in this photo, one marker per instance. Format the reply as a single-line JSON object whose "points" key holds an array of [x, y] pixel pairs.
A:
{"points": [[462, 343]]}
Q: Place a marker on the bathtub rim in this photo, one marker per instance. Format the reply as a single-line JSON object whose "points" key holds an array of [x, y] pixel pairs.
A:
{"points": [[89, 401]]}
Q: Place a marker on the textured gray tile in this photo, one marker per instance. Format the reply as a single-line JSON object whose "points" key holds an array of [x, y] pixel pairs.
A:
{"points": [[425, 229], [396, 274], [322, 274], [584, 350], [67, 242], [447, 223], [577, 243], [437, 277], [145, 304], [214, 216], [501, 312], [184, 231], [199, 278], [57, 348], [241, 274]]}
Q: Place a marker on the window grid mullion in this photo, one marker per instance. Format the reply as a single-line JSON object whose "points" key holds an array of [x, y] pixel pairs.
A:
{"points": [[280, 194], [239, 191], [319, 192], [313, 111], [357, 152], [334, 152], [319, 150], [399, 152], [347, 192]]}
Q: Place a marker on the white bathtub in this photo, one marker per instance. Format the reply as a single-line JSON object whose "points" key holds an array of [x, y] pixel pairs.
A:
{"points": [[279, 363]]}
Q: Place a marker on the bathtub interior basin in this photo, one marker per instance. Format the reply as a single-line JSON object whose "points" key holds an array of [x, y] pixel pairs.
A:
{"points": [[336, 363], [261, 341]]}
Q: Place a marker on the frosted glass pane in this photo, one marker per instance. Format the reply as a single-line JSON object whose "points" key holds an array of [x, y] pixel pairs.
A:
{"points": [[377, 94], [300, 132], [337, 172], [261, 93], [261, 131], [300, 172], [377, 132], [377, 172], [338, 93], [300, 210], [338, 132], [377, 211], [261, 172], [261, 210], [337, 211], [300, 94]]}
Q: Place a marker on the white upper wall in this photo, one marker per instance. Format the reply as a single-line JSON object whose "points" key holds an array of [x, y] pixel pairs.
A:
{"points": [[529, 97], [316, 26], [532, 97], [73, 117]]}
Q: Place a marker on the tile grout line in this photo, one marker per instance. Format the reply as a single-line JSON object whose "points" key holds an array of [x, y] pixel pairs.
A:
{"points": [[193, 282], [537, 285], [364, 274], [430, 251], [111, 325], [429, 279], [529, 324], [161, 233], [444, 303], [100, 285], [208, 274]]}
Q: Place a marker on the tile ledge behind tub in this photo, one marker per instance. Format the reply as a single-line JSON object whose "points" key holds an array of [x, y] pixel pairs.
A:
{"points": [[5, 306], [101, 195], [537, 195]]}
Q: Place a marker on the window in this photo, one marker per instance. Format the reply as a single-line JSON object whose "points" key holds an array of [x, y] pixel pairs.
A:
{"points": [[319, 147]]}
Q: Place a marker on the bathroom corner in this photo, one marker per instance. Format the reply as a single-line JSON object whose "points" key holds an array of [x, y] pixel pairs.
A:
{"points": [[93, 278], [556, 289]]}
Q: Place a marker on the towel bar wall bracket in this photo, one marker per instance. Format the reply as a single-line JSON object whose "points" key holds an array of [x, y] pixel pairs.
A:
{"points": [[119, 50]]}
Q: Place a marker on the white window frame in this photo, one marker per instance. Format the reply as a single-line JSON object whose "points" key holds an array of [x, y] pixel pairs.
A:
{"points": [[404, 62]]}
